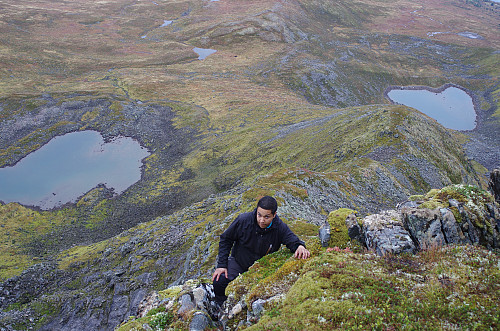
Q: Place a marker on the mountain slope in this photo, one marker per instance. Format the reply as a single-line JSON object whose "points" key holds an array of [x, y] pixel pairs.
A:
{"points": [[292, 103]]}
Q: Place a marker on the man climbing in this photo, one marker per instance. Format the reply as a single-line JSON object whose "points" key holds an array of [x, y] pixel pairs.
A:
{"points": [[251, 236]]}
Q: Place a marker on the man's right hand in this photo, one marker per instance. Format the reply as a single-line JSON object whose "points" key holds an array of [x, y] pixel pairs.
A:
{"points": [[218, 272]]}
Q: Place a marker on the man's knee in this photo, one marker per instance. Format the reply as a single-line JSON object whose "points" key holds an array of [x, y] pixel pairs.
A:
{"points": [[234, 270], [222, 281], [220, 285]]}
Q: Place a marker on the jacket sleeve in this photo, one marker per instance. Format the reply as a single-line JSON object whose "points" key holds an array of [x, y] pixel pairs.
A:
{"points": [[227, 239], [290, 239]]}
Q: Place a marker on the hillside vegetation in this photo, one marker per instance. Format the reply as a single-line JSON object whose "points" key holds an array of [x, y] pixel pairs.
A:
{"points": [[441, 288], [291, 104]]}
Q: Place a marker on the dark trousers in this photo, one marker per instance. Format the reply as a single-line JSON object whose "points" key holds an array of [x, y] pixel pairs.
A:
{"points": [[233, 270]]}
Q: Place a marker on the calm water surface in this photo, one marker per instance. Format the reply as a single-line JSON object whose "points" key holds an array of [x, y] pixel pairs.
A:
{"points": [[203, 52], [453, 107], [69, 166]]}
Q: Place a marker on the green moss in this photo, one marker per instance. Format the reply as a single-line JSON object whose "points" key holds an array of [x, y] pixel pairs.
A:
{"points": [[170, 292], [263, 268], [161, 320], [21, 225], [116, 107], [190, 116], [47, 309], [154, 311], [75, 255], [301, 228], [90, 116], [474, 201], [431, 193], [416, 197], [240, 141], [255, 193], [468, 192], [134, 324], [360, 291], [456, 214], [338, 228], [278, 281], [433, 204]]}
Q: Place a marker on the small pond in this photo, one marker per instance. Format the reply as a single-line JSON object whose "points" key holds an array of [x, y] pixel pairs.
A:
{"points": [[165, 23], [203, 52], [68, 166], [452, 107]]}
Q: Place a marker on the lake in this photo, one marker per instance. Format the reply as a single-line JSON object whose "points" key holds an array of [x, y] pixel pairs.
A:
{"points": [[452, 107], [203, 52], [69, 166]]}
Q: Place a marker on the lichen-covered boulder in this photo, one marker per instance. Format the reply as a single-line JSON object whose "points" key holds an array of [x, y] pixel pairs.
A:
{"points": [[432, 227], [456, 214], [353, 229], [384, 233], [324, 234]]}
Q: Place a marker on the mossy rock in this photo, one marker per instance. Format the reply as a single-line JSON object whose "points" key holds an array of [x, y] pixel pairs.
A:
{"points": [[170, 292], [456, 214], [338, 228], [431, 194], [417, 197], [433, 204], [359, 291]]}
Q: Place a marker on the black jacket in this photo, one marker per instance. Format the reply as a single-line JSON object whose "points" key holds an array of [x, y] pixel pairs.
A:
{"points": [[248, 242]]}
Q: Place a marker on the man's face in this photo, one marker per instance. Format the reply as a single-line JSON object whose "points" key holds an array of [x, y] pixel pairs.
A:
{"points": [[264, 217]]}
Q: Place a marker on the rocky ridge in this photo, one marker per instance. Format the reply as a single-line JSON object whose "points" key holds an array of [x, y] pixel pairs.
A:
{"points": [[101, 285], [412, 229]]}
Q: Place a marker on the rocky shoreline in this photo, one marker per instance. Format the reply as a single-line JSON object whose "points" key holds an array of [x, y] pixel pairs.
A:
{"points": [[483, 146], [35, 121]]}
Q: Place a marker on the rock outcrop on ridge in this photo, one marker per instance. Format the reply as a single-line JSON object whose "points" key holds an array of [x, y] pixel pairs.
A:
{"points": [[494, 184], [464, 216]]}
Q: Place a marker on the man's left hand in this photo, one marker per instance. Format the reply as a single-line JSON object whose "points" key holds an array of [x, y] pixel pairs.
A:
{"points": [[302, 253]]}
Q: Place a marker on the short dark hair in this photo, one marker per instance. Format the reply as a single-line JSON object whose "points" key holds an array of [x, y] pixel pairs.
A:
{"points": [[268, 203]]}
